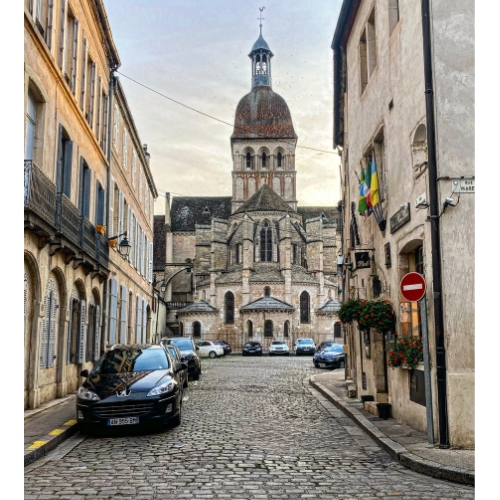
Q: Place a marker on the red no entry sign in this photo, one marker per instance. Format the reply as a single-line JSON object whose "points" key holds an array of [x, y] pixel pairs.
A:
{"points": [[412, 287]]}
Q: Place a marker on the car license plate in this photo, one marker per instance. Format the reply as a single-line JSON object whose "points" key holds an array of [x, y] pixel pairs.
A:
{"points": [[322, 365], [123, 421]]}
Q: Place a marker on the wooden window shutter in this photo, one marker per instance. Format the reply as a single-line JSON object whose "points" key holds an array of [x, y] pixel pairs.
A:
{"points": [[26, 287], [138, 333], [97, 318], [74, 54], [92, 95], [98, 108], [86, 176], [45, 330], [129, 228], [123, 315], [81, 333], [70, 331], [48, 23], [67, 162], [104, 135], [84, 74], [144, 320], [52, 328], [138, 244], [111, 208], [113, 306], [151, 262], [100, 204], [121, 200], [62, 19], [60, 158]]}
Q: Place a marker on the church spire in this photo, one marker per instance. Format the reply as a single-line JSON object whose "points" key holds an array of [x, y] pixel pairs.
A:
{"points": [[261, 59]]}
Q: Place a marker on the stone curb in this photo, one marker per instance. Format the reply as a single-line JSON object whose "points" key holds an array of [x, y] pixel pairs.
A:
{"points": [[397, 451], [47, 443], [51, 404]]}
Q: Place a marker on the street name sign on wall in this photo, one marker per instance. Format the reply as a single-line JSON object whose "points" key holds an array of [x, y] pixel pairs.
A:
{"points": [[412, 287]]}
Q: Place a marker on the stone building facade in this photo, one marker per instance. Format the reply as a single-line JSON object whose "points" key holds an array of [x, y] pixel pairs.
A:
{"points": [[380, 112], [72, 271], [253, 265]]}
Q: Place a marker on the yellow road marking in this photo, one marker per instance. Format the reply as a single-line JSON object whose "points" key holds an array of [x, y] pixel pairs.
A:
{"points": [[56, 432], [36, 444], [70, 422]]}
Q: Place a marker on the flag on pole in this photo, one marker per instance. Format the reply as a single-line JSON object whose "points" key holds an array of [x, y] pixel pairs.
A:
{"points": [[362, 206], [368, 179], [374, 196]]}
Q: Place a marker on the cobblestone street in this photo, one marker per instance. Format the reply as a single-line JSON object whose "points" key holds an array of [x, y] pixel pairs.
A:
{"points": [[252, 428]]}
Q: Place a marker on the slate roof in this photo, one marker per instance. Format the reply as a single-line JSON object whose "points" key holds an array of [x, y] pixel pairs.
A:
{"points": [[187, 211], [262, 275], [201, 306], [267, 304], [159, 243], [263, 114], [331, 307], [265, 199], [299, 276], [260, 44], [312, 212]]}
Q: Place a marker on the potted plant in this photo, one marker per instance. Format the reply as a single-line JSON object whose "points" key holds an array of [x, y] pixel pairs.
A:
{"points": [[100, 229], [406, 352], [384, 410]]}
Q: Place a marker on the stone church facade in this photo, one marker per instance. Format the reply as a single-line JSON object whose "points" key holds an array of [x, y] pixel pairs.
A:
{"points": [[253, 266]]}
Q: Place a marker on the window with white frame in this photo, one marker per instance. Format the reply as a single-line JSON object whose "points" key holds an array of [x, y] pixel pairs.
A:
{"points": [[44, 18], [368, 51], [71, 50]]}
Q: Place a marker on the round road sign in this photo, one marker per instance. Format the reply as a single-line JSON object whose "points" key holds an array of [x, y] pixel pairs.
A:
{"points": [[412, 287]]}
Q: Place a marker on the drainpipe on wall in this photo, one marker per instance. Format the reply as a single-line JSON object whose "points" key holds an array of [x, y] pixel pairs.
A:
{"points": [[435, 236]]}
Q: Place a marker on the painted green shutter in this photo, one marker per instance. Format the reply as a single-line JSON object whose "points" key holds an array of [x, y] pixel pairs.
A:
{"points": [[67, 161], [60, 159], [81, 333], [62, 19], [92, 95]]}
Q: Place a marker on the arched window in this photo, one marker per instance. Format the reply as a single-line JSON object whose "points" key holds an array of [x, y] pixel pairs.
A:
{"points": [[286, 328], [196, 329], [304, 307], [181, 328], [280, 159], [203, 295], [264, 160], [267, 291], [250, 328], [229, 306], [266, 244], [268, 328], [249, 160], [188, 262]]}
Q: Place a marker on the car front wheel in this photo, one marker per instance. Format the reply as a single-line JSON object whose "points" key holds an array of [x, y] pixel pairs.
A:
{"points": [[176, 421], [212, 354], [196, 376], [342, 364]]}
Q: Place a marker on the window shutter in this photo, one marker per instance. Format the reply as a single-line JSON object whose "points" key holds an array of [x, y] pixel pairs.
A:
{"points": [[144, 320], [48, 23], [75, 55], [138, 333], [60, 159], [129, 228], [62, 20], [111, 208], [113, 311], [52, 328], [45, 330], [138, 244], [98, 108], [26, 286], [123, 314], [95, 357], [86, 173], [140, 184], [100, 204], [70, 331], [104, 134], [92, 95], [67, 161], [81, 333], [151, 262], [84, 71], [120, 211]]}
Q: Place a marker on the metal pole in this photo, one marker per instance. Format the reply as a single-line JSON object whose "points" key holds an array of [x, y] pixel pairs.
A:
{"points": [[427, 372], [435, 231]]}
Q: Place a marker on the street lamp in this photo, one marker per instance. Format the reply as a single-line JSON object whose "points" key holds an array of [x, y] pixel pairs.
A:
{"points": [[124, 246]]}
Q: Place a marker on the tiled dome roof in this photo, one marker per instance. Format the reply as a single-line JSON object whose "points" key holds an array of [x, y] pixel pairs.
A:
{"points": [[263, 113]]}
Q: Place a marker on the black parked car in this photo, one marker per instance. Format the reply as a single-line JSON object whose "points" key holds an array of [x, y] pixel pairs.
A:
{"points": [[179, 358], [325, 344], [331, 356], [252, 349], [131, 385], [227, 348], [190, 352]]}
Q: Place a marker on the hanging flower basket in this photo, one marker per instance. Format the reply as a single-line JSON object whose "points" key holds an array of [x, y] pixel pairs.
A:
{"points": [[350, 310], [376, 314], [407, 352]]}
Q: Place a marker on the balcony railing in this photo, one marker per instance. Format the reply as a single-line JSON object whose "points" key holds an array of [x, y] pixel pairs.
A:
{"points": [[177, 304], [60, 215]]}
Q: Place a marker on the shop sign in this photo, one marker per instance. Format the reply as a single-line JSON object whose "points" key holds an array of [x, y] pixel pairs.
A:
{"points": [[362, 260], [401, 217]]}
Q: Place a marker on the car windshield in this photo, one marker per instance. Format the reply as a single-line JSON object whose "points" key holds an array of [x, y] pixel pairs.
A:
{"points": [[252, 344], [132, 360], [182, 344], [276, 342], [305, 341], [334, 348]]}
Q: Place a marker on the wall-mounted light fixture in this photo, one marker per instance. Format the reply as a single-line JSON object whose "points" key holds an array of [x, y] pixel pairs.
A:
{"points": [[124, 246]]}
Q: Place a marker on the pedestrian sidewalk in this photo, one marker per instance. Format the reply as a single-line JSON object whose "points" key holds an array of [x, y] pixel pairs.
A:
{"points": [[47, 426], [407, 445]]}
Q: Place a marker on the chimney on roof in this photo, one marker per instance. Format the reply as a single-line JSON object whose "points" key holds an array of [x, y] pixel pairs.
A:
{"points": [[145, 149]]}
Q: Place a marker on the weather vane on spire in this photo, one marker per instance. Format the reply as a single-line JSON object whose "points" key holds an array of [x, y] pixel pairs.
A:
{"points": [[261, 18]]}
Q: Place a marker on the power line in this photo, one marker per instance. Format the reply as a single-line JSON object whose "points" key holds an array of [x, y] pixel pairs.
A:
{"points": [[217, 119]]}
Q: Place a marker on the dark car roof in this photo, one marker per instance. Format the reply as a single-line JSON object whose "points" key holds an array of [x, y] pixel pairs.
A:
{"points": [[252, 343]]}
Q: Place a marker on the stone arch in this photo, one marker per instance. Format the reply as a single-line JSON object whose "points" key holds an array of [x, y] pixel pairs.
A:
{"points": [[286, 328], [32, 297], [249, 328], [268, 328], [305, 307], [248, 158], [197, 329], [265, 158], [267, 291], [277, 185], [265, 240], [181, 328], [279, 157], [229, 308], [252, 186]]}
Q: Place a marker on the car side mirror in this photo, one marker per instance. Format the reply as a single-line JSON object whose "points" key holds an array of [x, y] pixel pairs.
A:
{"points": [[180, 367], [84, 373], [183, 359], [197, 348]]}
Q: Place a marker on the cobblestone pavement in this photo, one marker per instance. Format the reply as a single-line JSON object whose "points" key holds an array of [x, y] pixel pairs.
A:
{"points": [[252, 429]]}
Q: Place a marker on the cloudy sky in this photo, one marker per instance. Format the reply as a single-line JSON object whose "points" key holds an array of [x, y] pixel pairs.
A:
{"points": [[196, 52]]}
